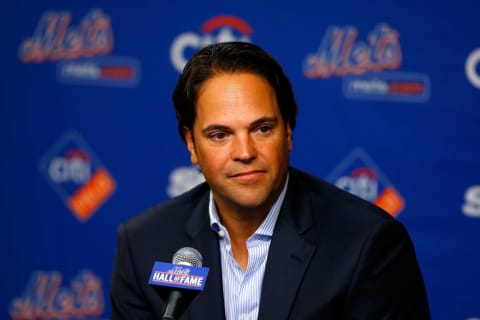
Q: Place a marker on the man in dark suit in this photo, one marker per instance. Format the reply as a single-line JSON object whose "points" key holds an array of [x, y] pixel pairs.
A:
{"points": [[280, 244]]}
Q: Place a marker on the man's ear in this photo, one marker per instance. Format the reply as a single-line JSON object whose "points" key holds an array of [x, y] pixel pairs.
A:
{"points": [[289, 137], [190, 145]]}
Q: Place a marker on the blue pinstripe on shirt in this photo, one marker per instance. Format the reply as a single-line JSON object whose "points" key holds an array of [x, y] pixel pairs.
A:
{"points": [[242, 289]]}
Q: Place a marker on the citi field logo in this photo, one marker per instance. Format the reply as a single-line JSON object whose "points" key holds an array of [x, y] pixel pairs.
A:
{"points": [[471, 204], [362, 65], [80, 50], [221, 28], [182, 179], [359, 175], [45, 298], [471, 68], [77, 176]]}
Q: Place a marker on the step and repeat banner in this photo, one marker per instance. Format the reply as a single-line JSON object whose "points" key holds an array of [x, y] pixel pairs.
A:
{"points": [[388, 92]]}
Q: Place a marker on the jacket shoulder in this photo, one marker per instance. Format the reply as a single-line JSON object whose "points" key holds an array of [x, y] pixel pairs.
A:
{"points": [[168, 213], [332, 203]]}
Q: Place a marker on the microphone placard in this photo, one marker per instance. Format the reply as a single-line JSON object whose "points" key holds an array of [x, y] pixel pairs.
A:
{"points": [[178, 276]]}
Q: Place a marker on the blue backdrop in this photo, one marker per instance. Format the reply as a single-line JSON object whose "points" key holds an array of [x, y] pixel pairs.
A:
{"points": [[389, 109]]}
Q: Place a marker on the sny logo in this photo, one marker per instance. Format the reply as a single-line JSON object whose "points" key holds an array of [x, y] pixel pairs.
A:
{"points": [[471, 69], [182, 179], [471, 206]]}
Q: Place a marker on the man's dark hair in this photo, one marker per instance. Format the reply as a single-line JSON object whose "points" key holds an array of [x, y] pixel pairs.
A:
{"points": [[228, 58]]}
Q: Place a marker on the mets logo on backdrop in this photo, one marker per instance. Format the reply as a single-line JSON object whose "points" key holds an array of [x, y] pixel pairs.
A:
{"points": [[45, 298], [362, 65], [221, 28], [359, 175], [77, 176], [80, 49]]}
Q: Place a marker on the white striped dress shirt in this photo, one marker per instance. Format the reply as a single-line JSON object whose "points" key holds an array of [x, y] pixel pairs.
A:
{"points": [[241, 290]]}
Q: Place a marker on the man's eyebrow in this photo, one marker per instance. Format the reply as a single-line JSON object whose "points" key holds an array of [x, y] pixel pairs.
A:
{"points": [[214, 127], [260, 121], [263, 120]]}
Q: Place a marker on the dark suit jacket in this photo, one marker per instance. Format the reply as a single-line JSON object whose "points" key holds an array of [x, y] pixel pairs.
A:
{"points": [[332, 256]]}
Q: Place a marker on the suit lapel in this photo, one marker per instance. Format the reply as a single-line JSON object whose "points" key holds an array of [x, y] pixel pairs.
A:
{"points": [[289, 255], [288, 258], [209, 303]]}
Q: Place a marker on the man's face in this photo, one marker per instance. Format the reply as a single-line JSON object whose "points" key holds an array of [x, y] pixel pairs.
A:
{"points": [[240, 141]]}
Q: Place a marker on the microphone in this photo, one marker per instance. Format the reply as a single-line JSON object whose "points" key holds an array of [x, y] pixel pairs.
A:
{"points": [[176, 301], [188, 256], [179, 282]]}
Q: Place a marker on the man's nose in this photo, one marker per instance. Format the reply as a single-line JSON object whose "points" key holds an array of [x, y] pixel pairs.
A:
{"points": [[244, 148]]}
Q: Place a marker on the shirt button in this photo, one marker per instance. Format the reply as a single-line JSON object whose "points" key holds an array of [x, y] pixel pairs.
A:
{"points": [[247, 318]]}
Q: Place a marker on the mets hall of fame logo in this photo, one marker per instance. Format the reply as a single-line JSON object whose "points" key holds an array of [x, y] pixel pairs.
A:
{"points": [[77, 175], [359, 175]]}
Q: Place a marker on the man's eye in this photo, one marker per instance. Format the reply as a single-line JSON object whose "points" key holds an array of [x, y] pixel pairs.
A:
{"points": [[265, 129], [218, 135]]}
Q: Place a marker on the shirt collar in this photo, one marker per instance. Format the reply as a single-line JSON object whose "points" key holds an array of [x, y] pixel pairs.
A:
{"points": [[265, 228]]}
